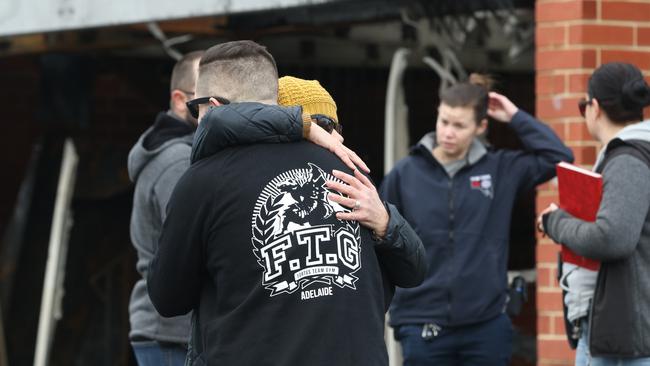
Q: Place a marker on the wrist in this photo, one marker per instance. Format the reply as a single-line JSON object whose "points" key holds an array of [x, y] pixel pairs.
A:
{"points": [[306, 125], [513, 114], [545, 218], [378, 236], [380, 232]]}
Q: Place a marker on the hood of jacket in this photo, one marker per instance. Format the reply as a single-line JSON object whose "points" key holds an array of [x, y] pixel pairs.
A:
{"points": [[637, 131], [245, 123], [166, 131], [428, 142]]}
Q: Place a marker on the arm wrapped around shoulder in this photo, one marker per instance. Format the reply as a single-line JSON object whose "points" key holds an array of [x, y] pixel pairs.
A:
{"points": [[621, 218]]}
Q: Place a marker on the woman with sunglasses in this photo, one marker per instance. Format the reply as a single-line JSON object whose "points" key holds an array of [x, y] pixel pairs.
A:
{"points": [[611, 305]]}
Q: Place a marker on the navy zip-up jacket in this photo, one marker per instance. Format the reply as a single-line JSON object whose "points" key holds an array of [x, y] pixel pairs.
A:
{"points": [[464, 222]]}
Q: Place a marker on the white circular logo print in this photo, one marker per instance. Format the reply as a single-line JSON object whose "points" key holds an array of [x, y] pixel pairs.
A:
{"points": [[297, 239]]}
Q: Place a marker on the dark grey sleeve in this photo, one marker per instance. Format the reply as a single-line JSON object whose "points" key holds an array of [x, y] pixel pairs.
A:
{"points": [[622, 214], [401, 253]]}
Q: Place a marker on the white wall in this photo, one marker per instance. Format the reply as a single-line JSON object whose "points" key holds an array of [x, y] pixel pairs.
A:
{"points": [[36, 16]]}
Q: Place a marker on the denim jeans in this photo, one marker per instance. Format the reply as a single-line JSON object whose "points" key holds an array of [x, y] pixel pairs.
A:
{"points": [[488, 343], [582, 351], [583, 357], [152, 353]]}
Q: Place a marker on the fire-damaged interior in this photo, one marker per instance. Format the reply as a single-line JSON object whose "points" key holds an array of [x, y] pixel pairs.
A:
{"points": [[102, 88]]}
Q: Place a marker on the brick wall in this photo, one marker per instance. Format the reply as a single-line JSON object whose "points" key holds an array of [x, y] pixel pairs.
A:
{"points": [[573, 37]]}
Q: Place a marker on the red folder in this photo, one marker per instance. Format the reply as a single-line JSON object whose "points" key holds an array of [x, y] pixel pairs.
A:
{"points": [[580, 194]]}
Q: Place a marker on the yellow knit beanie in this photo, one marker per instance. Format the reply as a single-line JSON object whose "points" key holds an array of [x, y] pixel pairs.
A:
{"points": [[309, 94]]}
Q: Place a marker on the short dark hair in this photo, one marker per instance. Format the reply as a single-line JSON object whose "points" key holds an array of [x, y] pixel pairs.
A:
{"points": [[183, 74], [239, 71], [471, 94], [621, 91], [236, 50]]}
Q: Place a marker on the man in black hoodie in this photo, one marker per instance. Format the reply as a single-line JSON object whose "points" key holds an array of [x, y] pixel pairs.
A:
{"points": [[156, 162], [253, 245]]}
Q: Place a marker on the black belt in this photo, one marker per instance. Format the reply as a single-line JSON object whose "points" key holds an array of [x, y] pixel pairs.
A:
{"points": [[163, 344]]}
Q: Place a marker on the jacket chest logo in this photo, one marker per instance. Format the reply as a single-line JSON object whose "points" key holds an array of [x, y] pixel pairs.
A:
{"points": [[297, 239], [482, 183]]}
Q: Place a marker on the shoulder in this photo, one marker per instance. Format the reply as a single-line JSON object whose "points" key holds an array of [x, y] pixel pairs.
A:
{"points": [[626, 174], [623, 163], [409, 162], [176, 149], [206, 168], [197, 181], [173, 152], [495, 155], [401, 168], [636, 148], [625, 177], [174, 158]]}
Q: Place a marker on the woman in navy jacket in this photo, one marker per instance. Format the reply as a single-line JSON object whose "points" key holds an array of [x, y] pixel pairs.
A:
{"points": [[458, 195]]}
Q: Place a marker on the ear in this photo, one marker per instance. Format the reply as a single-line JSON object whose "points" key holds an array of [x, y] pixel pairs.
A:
{"points": [[482, 126], [595, 106], [178, 98]]}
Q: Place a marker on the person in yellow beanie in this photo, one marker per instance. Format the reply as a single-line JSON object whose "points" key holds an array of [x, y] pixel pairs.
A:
{"points": [[362, 197], [315, 101], [367, 207]]}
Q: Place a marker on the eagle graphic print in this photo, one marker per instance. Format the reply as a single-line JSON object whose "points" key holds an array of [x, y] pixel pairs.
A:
{"points": [[297, 239]]}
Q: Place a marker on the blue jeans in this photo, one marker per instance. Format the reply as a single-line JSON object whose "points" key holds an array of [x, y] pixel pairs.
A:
{"points": [[583, 357], [486, 343], [582, 351], [152, 353]]}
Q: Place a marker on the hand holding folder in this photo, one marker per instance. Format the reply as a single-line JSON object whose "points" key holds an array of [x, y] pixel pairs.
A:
{"points": [[580, 194]]}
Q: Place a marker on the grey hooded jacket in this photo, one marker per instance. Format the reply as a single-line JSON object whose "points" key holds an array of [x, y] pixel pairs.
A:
{"points": [[156, 162], [620, 238]]}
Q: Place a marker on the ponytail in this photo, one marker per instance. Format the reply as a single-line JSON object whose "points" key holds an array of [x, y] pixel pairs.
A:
{"points": [[621, 91]]}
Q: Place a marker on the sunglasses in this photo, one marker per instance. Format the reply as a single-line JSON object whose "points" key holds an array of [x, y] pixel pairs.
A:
{"points": [[193, 105], [582, 106], [327, 123]]}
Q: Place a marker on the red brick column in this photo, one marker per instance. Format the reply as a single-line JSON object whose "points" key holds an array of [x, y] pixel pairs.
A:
{"points": [[573, 37]]}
